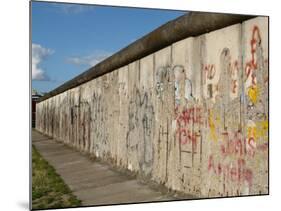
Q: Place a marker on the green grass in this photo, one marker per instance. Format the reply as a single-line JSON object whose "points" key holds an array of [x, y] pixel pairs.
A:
{"points": [[48, 189]]}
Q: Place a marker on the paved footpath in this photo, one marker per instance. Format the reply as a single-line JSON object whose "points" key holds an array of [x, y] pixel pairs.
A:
{"points": [[92, 182]]}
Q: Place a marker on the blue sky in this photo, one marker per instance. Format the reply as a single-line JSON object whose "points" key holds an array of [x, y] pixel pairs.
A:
{"points": [[67, 39]]}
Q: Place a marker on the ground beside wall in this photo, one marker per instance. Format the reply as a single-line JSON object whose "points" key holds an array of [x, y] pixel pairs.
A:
{"points": [[192, 116]]}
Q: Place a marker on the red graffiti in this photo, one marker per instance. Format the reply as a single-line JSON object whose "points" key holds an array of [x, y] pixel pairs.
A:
{"points": [[235, 172], [256, 39], [185, 118], [250, 149], [250, 71], [236, 145], [233, 147], [234, 86], [186, 136], [251, 66], [234, 70], [188, 116], [210, 71]]}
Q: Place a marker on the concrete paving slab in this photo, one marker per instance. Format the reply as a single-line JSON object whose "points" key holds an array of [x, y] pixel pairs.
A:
{"points": [[92, 182]]}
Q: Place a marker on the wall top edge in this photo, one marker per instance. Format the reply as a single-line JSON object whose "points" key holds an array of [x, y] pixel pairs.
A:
{"points": [[188, 25]]}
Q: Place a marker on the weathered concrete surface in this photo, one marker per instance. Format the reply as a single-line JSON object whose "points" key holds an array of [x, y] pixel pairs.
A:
{"points": [[192, 116], [190, 24], [92, 182]]}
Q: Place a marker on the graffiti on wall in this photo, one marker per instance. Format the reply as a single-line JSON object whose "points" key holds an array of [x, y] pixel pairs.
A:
{"points": [[237, 146], [162, 79], [188, 118], [139, 136], [192, 128], [256, 79]]}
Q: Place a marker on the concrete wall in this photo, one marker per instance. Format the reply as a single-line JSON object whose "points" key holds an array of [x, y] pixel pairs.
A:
{"points": [[192, 116]]}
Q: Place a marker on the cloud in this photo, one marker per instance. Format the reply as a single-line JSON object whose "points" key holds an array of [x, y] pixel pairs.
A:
{"points": [[39, 53], [73, 8], [89, 60]]}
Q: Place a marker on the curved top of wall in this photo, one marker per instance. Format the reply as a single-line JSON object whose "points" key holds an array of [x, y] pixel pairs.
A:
{"points": [[191, 24]]}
